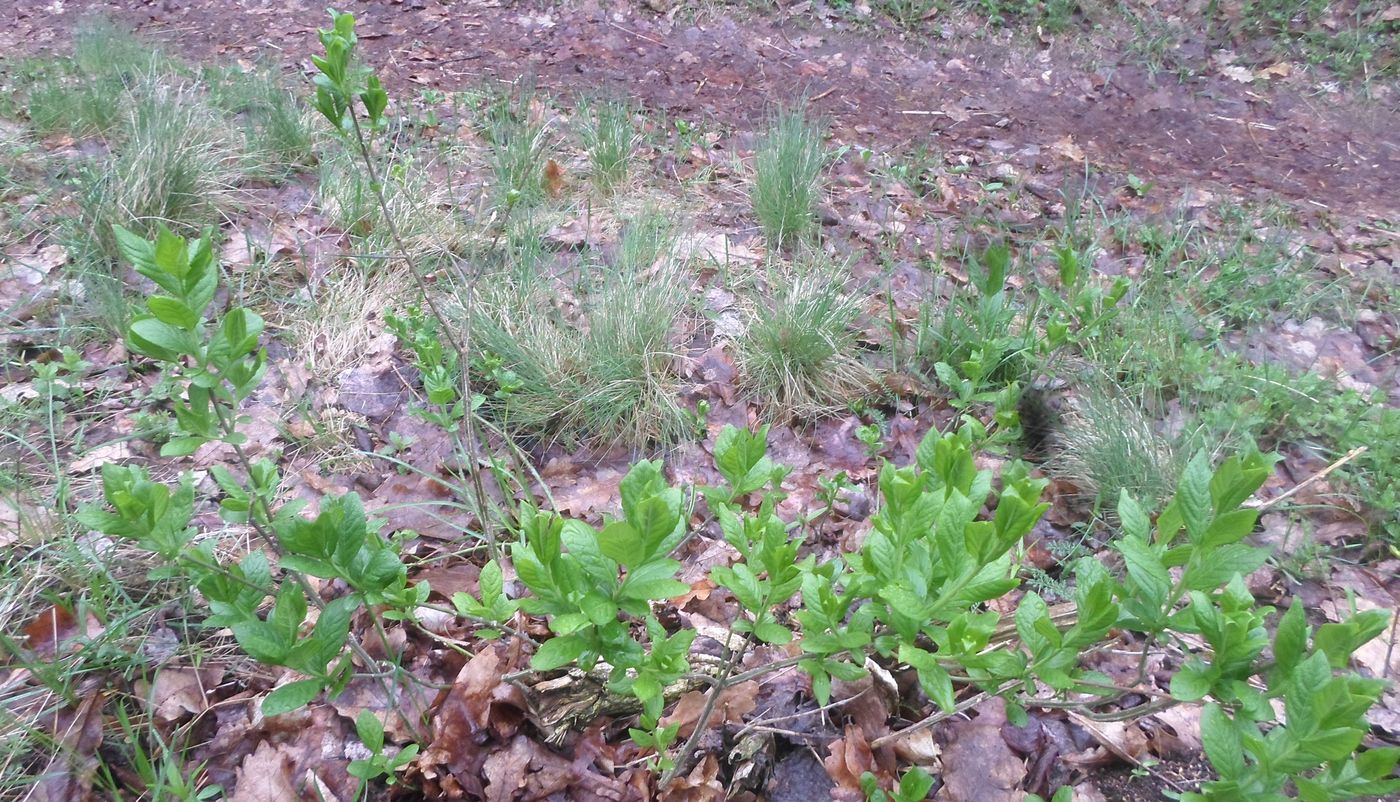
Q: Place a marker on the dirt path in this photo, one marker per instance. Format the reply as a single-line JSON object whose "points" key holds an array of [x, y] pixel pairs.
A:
{"points": [[1245, 140]]}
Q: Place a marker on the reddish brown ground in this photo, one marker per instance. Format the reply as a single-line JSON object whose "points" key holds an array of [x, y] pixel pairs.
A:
{"points": [[1292, 141], [1048, 110]]}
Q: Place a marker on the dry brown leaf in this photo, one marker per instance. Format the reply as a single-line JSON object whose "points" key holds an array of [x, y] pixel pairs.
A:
{"points": [[178, 691], [848, 757], [506, 769], [587, 495], [1237, 73], [919, 749], [734, 703], [700, 785], [28, 523], [419, 503], [576, 233], [1181, 736], [31, 265], [1122, 740], [68, 776], [553, 178], [1066, 146], [411, 701], [714, 246], [101, 455], [446, 580], [978, 766], [53, 628], [265, 776]]}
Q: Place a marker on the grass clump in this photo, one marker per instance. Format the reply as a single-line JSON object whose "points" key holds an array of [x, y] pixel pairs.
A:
{"points": [[519, 135], [277, 139], [787, 164], [605, 376], [610, 137], [1106, 444], [797, 353], [84, 95], [173, 165], [419, 201]]}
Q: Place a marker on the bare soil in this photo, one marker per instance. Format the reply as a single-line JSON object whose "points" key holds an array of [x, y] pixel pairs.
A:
{"points": [[1292, 140]]}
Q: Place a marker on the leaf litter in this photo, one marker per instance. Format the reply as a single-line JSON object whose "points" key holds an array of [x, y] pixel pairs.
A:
{"points": [[482, 744]]}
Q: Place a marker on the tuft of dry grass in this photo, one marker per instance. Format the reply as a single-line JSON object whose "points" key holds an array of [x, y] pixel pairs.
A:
{"points": [[341, 326], [797, 353], [416, 193], [1106, 443], [604, 374]]}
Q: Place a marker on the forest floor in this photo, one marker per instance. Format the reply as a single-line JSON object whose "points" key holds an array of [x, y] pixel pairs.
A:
{"points": [[1242, 181]]}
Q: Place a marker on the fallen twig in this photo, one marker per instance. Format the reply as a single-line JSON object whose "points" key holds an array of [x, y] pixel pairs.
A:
{"points": [[1317, 477]]}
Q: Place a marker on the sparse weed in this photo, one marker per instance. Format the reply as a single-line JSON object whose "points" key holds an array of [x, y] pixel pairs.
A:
{"points": [[981, 329], [798, 352], [518, 131], [610, 137], [174, 166], [787, 165], [277, 139], [909, 14], [421, 204], [614, 380], [86, 94]]}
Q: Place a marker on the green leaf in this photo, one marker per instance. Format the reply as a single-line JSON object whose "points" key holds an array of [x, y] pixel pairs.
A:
{"points": [[1191, 683], [292, 696], [654, 581], [1031, 611], [182, 446], [140, 253], [491, 583], [770, 631], [1230, 527], [740, 581], [557, 652], [172, 311], [653, 521], [1223, 565], [262, 641], [1193, 497], [1221, 741], [914, 785], [582, 542], [621, 543], [932, 676], [371, 730], [150, 337], [1145, 570], [1291, 639], [600, 610]]}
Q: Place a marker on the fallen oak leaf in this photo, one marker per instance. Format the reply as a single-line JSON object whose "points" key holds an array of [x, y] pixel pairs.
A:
{"points": [[265, 776], [978, 766], [848, 757], [180, 691], [700, 785], [735, 702], [55, 627], [69, 774]]}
